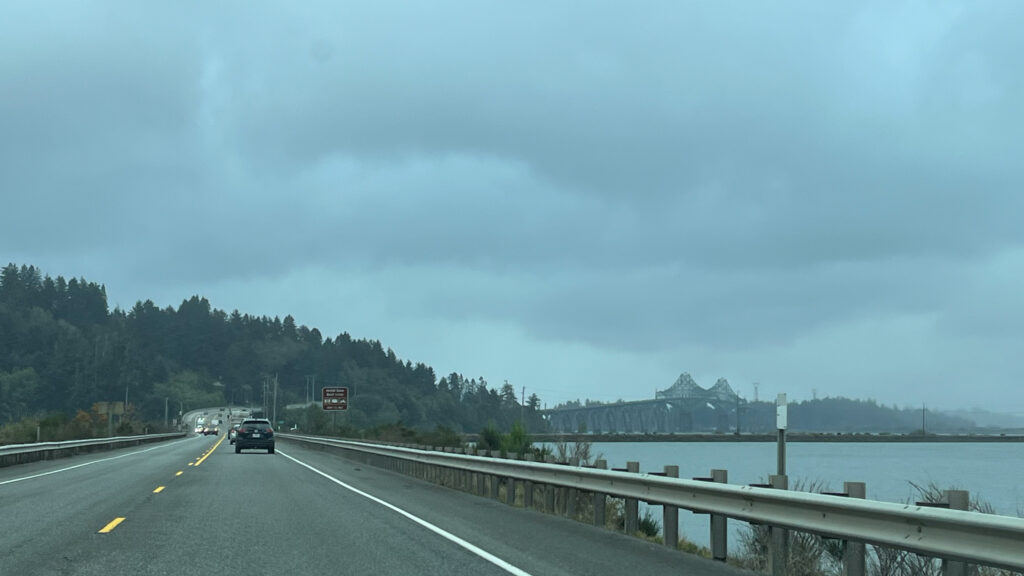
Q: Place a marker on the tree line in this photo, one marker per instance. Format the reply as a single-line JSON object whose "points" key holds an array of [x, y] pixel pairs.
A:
{"points": [[62, 351]]}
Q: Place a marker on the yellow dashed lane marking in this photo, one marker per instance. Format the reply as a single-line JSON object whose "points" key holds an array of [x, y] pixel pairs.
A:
{"points": [[113, 524], [207, 455], [158, 490], [178, 473]]}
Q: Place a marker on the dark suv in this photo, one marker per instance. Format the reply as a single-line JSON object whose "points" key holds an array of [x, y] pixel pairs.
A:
{"points": [[255, 433]]}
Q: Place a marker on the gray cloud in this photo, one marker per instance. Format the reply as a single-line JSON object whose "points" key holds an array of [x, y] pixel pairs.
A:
{"points": [[622, 179]]}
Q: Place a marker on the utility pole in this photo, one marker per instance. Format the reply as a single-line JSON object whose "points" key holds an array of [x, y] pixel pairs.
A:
{"points": [[522, 409], [166, 400], [275, 399], [923, 433]]}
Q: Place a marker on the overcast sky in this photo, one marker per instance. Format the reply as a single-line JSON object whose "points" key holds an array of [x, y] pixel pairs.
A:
{"points": [[586, 199]]}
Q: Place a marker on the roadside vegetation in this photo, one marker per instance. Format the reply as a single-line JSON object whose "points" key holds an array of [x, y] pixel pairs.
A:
{"points": [[811, 555], [58, 427]]}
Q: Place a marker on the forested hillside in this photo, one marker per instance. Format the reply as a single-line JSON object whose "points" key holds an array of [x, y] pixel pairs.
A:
{"points": [[62, 350]]}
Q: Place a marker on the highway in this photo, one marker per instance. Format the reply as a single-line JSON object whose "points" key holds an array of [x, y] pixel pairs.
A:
{"points": [[193, 506]]}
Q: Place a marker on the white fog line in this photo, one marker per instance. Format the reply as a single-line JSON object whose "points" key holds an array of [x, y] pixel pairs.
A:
{"points": [[435, 529], [87, 463]]}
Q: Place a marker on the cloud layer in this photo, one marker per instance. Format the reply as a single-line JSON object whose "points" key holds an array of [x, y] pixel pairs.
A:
{"points": [[580, 198]]}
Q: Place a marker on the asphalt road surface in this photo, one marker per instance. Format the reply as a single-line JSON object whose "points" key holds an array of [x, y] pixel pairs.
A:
{"points": [[193, 506]]}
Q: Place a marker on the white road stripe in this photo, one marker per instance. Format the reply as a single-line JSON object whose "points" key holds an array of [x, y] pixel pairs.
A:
{"points": [[88, 463], [439, 531]]}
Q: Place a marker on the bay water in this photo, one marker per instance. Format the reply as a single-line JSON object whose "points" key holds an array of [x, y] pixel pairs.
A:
{"points": [[992, 472]]}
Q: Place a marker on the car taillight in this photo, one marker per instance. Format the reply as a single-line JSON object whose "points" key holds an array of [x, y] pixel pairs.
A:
{"points": [[270, 430]]}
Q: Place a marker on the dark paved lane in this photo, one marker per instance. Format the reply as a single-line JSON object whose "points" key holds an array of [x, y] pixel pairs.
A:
{"points": [[299, 511]]}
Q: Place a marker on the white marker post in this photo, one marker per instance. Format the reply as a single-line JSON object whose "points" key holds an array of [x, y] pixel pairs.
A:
{"points": [[781, 422], [778, 556]]}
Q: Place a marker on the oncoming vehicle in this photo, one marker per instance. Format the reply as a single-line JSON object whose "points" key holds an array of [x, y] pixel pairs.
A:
{"points": [[254, 433]]}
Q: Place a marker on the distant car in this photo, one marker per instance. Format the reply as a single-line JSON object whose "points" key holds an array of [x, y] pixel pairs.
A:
{"points": [[233, 433], [254, 433], [207, 430], [199, 429]]}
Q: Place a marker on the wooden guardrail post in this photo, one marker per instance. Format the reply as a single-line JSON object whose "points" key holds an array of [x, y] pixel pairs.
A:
{"points": [[510, 486], [572, 495], [854, 562], [563, 495], [528, 486], [778, 547], [463, 475], [719, 523], [957, 500], [670, 514], [632, 508], [495, 480], [549, 490], [600, 498]]}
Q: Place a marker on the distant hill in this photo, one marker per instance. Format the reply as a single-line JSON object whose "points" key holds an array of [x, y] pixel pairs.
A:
{"points": [[714, 410], [993, 420], [62, 351], [847, 415]]}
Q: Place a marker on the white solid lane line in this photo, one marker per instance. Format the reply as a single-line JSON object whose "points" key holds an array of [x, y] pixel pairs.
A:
{"points": [[88, 463], [439, 531]]}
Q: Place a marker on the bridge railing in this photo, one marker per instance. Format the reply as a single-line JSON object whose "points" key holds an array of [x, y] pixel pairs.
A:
{"points": [[956, 536], [22, 453]]}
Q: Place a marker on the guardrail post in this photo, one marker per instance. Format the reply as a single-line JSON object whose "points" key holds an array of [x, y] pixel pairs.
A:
{"points": [[563, 495], [572, 495], [495, 481], [457, 473], [549, 490], [600, 498], [854, 563], [528, 486], [510, 489], [778, 547], [719, 523], [670, 515], [957, 500], [632, 508]]}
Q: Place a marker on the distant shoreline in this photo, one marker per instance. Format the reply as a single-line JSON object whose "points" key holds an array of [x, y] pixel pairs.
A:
{"points": [[790, 437]]}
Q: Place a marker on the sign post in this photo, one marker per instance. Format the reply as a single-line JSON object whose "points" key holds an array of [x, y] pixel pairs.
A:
{"points": [[781, 422], [335, 398]]}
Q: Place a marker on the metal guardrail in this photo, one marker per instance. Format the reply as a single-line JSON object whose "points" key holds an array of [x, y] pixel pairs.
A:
{"points": [[20, 453], [957, 535]]}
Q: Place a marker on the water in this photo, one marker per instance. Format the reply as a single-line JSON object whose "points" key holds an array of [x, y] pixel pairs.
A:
{"points": [[992, 472]]}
